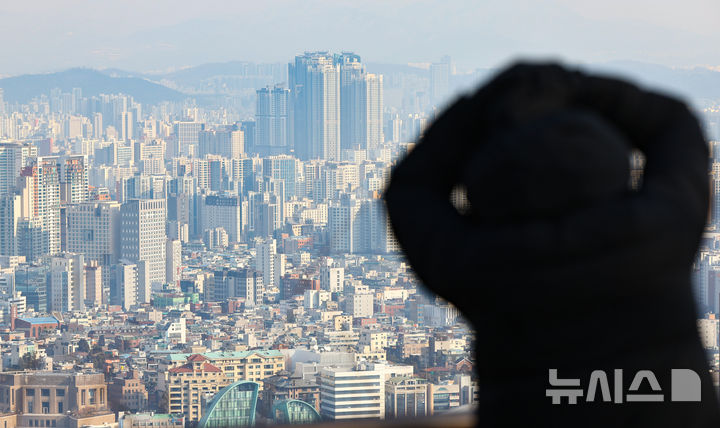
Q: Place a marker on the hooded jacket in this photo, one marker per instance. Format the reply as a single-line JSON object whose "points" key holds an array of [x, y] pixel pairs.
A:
{"points": [[560, 264]]}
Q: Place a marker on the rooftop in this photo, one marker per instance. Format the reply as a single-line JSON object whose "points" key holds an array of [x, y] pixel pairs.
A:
{"points": [[222, 355], [40, 320]]}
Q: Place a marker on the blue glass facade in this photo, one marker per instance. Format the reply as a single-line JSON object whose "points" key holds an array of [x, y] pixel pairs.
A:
{"points": [[294, 412], [232, 406]]}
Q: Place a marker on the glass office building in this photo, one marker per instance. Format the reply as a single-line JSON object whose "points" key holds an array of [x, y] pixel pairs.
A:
{"points": [[232, 406], [294, 412]]}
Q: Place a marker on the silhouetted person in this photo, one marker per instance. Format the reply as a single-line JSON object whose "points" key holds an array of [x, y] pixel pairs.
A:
{"points": [[560, 264]]}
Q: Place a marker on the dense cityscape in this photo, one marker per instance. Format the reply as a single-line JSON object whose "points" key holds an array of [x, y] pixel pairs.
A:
{"points": [[214, 251], [220, 261]]}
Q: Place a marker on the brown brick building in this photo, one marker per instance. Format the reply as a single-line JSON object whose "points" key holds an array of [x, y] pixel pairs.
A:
{"points": [[128, 393]]}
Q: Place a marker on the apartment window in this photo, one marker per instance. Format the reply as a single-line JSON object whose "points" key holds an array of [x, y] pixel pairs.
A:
{"points": [[45, 392], [60, 407], [82, 397], [59, 392], [30, 392], [45, 407]]}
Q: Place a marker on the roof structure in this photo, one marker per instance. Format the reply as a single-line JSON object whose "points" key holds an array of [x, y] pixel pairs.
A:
{"points": [[197, 357], [41, 320], [232, 406], [188, 368], [294, 412], [222, 355]]}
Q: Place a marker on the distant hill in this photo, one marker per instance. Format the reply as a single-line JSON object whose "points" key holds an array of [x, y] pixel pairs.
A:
{"points": [[189, 74], [24, 88], [215, 79], [387, 69], [203, 71], [693, 83]]}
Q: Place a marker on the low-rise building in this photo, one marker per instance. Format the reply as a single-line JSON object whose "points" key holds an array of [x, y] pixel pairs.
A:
{"points": [[283, 387], [442, 398], [35, 327], [151, 420], [406, 396], [55, 399], [128, 393]]}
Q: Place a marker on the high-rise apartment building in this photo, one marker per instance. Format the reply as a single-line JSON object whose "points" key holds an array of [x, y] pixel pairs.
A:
{"points": [[440, 80], [94, 295], [361, 104], [173, 260], [272, 118], [127, 126], [188, 137], [345, 225], [10, 216], [41, 191], [13, 158], [270, 262], [142, 237], [67, 283], [224, 211], [242, 174], [359, 226], [285, 168], [227, 143], [98, 129], [244, 283], [126, 284], [315, 85], [75, 183], [374, 115], [93, 229]]}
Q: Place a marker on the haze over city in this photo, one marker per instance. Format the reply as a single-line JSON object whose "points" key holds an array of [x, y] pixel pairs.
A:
{"points": [[142, 36], [193, 231]]}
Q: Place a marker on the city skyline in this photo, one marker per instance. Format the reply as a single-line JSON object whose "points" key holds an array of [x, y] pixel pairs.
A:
{"points": [[204, 221], [246, 237]]}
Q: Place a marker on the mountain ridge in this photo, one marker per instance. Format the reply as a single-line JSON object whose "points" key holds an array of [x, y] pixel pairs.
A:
{"points": [[24, 87]]}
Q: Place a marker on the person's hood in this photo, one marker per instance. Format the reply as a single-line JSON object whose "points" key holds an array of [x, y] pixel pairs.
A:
{"points": [[547, 166]]}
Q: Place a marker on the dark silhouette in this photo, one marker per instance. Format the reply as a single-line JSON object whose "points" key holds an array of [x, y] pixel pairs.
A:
{"points": [[559, 263]]}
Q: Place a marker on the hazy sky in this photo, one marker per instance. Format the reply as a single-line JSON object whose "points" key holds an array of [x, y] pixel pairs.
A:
{"points": [[143, 35]]}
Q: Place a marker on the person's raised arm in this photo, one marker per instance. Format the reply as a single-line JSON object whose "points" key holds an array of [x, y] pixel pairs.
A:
{"points": [[668, 135], [443, 246]]}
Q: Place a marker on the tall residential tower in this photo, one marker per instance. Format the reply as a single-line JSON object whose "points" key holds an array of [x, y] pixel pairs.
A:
{"points": [[315, 85]]}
